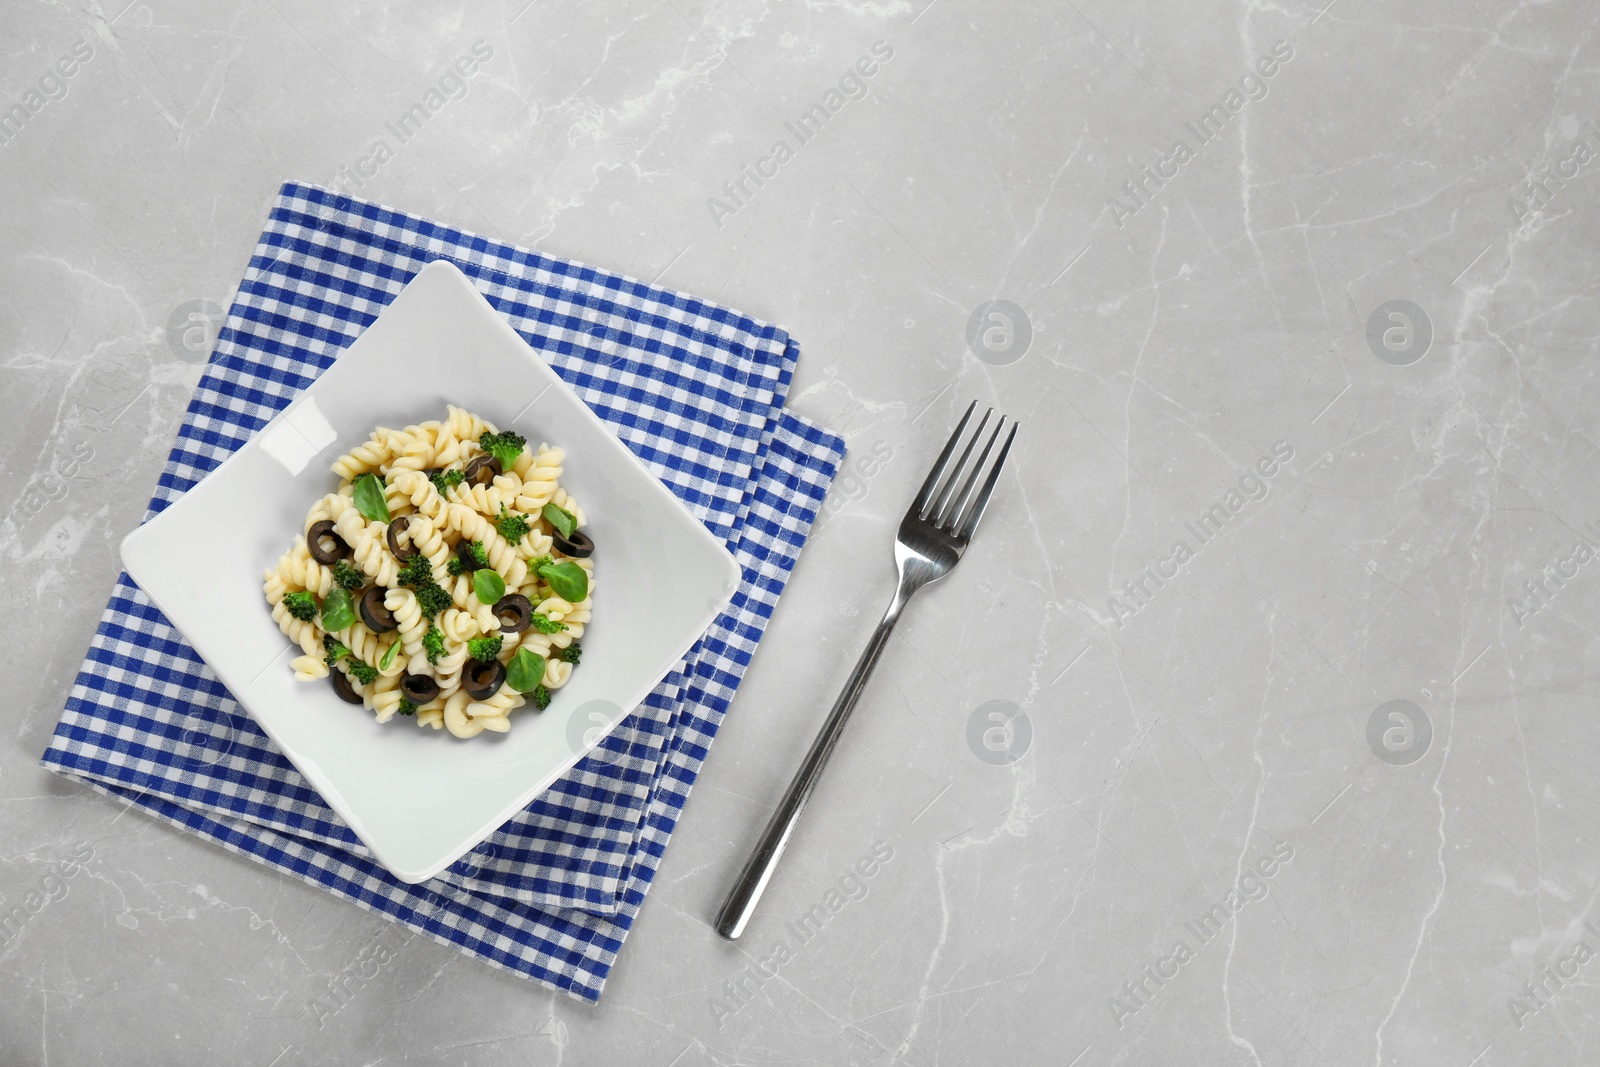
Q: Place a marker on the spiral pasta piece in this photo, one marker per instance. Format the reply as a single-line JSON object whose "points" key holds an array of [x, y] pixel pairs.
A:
{"points": [[365, 645], [384, 697], [435, 523], [466, 599], [297, 570], [539, 474], [459, 626], [417, 488], [309, 668], [456, 719], [431, 714], [368, 547], [447, 672], [414, 452], [413, 625], [537, 543], [501, 704], [553, 608], [305, 633], [328, 508], [488, 499], [557, 672], [366, 457], [447, 448], [273, 586], [308, 635], [426, 538], [465, 425], [397, 502], [537, 643]]}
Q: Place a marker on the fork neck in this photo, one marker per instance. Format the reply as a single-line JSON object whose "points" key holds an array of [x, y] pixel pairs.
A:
{"points": [[915, 572], [891, 615]]}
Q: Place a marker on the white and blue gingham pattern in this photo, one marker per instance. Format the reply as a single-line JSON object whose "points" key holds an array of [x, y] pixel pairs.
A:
{"points": [[695, 390]]}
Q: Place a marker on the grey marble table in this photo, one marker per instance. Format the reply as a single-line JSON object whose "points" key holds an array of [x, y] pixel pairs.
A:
{"points": [[1258, 727]]}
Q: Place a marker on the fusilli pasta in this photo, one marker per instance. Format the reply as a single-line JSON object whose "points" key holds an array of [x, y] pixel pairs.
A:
{"points": [[380, 589]]}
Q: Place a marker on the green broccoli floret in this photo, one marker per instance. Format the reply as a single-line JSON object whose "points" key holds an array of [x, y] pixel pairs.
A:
{"points": [[512, 527], [545, 624], [365, 673], [484, 648], [541, 697], [444, 481], [571, 653], [542, 561], [406, 707], [433, 599], [433, 644], [348, 576], [335, 648], [504, 446], [302, 605], [417, 572]]}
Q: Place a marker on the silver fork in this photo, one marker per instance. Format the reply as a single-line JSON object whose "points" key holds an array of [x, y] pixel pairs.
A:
{"points": [[932, 538]]}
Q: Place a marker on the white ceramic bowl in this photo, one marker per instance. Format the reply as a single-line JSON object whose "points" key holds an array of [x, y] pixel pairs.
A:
{"points": [[421, 798]]}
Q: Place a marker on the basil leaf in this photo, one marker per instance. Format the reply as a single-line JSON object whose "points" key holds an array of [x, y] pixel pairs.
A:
{"points": [[369, 498], [388, 657], [568, 581], [561, 519], [338, 611], [488, 584], [525, 671]]}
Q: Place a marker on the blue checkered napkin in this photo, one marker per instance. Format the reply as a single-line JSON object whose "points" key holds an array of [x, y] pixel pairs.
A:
{"points": [[695, 390], [324, 268]]}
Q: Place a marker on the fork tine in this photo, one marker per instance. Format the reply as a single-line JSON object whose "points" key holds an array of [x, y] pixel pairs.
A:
{"points": [[974, 512], [958, 503], [921, 503], [939, 505]]}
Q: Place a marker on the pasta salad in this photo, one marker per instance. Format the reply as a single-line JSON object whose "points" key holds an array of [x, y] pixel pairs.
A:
{"points": [[447, 578]]}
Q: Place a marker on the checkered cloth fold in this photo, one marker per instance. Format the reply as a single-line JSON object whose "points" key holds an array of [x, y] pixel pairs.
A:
{"points": [[696, 390]]}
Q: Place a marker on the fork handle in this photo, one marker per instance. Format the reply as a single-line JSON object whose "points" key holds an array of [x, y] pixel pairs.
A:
{"points": [[752, 882]]}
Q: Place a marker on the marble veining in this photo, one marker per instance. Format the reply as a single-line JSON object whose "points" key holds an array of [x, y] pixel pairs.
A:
{"points": [[1258, 726]]}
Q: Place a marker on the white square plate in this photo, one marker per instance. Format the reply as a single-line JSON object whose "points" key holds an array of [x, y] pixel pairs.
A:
{"points": [[419, 798]]}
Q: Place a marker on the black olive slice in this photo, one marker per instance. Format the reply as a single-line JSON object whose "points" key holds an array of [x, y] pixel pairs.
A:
{"points": [[483, 680], [578, 546], [318, 540], [515, 613], [342, 686], [409, 551], [377, 616], [475, 470], [469, 563], [419, 688]]}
